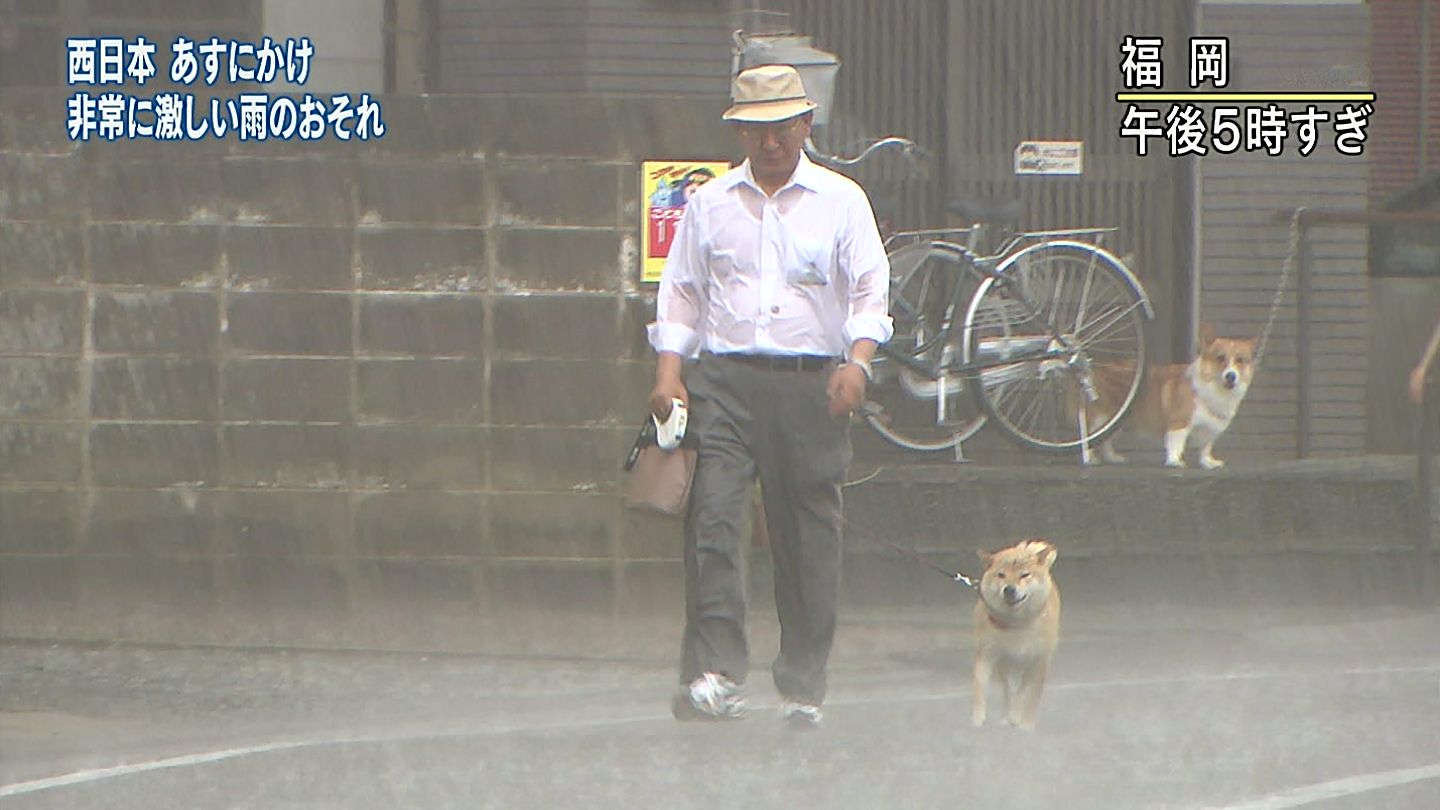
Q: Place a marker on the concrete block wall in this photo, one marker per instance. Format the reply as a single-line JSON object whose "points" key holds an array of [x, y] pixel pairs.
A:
{"points": [[331, 393]]}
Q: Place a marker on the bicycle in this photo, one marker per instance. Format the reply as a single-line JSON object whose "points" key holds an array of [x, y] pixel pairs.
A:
{"points": [[1043, 333]]}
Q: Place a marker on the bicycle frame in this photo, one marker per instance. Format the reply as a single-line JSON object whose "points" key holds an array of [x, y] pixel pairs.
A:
{"points": [[1055, 346], [932, 370]]}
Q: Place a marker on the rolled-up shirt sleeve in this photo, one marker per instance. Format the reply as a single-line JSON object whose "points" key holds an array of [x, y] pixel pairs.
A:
{"points": [[680, 303], [868, 270]]}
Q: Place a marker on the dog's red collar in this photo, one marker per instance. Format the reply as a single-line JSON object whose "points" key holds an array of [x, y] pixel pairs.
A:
{"points": [[996, 622]]}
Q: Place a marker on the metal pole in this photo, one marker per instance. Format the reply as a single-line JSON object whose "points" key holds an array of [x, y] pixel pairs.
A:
{"points": [[1428, 567], [1302, 345], [1425, 474], [1425, 86]]}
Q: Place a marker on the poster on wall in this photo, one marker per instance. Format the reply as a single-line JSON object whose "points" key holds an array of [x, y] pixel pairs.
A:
{"points": [[665, 185]]}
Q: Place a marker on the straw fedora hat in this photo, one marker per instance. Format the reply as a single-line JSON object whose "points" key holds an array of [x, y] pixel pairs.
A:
{"points": [[768, 93]]}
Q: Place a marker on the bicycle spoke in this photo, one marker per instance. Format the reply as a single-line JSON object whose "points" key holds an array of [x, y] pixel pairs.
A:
{"points": [[1011, 393], [1033, 405], [1116, 319], [1056, 291], [1085, 294]]}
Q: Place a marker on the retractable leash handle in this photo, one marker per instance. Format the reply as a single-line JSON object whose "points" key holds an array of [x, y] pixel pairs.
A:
{"points": [[667, 434], [671, 432]]}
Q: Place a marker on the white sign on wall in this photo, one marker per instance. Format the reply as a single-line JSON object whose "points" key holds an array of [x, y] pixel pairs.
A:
{"points": [[1050, 157]]}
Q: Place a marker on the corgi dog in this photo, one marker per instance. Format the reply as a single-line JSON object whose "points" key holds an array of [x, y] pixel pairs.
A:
{"points": [[1017, 627], [1191, 405]]}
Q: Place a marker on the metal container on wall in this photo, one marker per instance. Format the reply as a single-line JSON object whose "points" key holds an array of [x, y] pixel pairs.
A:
{"points": [[817, 68]]}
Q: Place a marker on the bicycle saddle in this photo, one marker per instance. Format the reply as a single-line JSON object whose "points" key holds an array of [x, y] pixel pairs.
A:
{"points": [[994, 212]]}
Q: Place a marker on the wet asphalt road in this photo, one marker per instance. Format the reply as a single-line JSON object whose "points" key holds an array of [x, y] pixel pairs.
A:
{"points": [[1200, 707]]}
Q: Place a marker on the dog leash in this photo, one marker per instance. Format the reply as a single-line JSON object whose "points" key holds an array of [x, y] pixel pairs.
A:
{"points": [[953, 576], [1285, 270]]}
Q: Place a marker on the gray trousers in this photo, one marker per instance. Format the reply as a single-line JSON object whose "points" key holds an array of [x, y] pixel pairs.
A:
{"points": [[752, 421]]}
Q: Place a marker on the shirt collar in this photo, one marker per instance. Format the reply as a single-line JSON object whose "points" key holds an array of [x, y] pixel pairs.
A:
{"points": [[807, 175]]}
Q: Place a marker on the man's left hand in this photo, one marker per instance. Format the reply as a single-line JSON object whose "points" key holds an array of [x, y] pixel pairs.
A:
{"points": [[846, 390]]}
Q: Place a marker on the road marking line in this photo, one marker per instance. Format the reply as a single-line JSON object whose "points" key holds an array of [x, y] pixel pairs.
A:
{"points": [[98, 774], [1309, 794], [186, 760]]}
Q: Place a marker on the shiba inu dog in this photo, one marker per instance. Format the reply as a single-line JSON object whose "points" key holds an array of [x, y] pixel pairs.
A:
{"points": [[1191, 405], [1017, 627]]}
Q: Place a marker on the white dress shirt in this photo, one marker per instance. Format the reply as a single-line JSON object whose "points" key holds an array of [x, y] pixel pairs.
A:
{"points": [[801, 272]]}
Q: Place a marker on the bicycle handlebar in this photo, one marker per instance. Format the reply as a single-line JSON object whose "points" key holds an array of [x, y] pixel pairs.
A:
{"points": [[912, 151]]}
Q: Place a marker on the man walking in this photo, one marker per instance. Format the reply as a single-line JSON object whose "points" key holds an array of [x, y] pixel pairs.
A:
{"points": [[777, 285]]}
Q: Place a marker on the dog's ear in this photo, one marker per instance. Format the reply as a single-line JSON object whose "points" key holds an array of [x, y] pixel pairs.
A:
{"points": [[1207, 334], [1046, 555], [985, 556]]}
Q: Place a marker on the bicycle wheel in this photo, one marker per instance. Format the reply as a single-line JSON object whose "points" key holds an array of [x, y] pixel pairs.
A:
{"points": [[1088, 311], [906, 407]]}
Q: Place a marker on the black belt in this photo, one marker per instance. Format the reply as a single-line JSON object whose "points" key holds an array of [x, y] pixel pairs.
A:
{"points": [[783, 362]]}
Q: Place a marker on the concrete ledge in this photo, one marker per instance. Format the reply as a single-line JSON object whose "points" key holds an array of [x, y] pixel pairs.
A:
{"points": [[573, 608], [1334, 504]]}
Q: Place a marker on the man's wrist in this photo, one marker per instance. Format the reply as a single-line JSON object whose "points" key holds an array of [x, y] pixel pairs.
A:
{"points": [[667, 367], [864, 366]]}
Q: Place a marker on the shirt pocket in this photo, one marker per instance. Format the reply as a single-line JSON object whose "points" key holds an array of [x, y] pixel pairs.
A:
{"points": [[810, 262], [724, 263]]}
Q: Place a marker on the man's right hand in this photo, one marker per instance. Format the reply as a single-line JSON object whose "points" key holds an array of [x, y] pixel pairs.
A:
{"points": [[664, 394], [668, 385]]}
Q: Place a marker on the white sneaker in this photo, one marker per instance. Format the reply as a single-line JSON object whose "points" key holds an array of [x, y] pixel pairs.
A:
{"points": [[801, 715], [709, 697]]}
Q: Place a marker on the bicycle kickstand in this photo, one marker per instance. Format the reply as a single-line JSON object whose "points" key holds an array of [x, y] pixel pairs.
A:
{"points": [[1088, 395]]}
